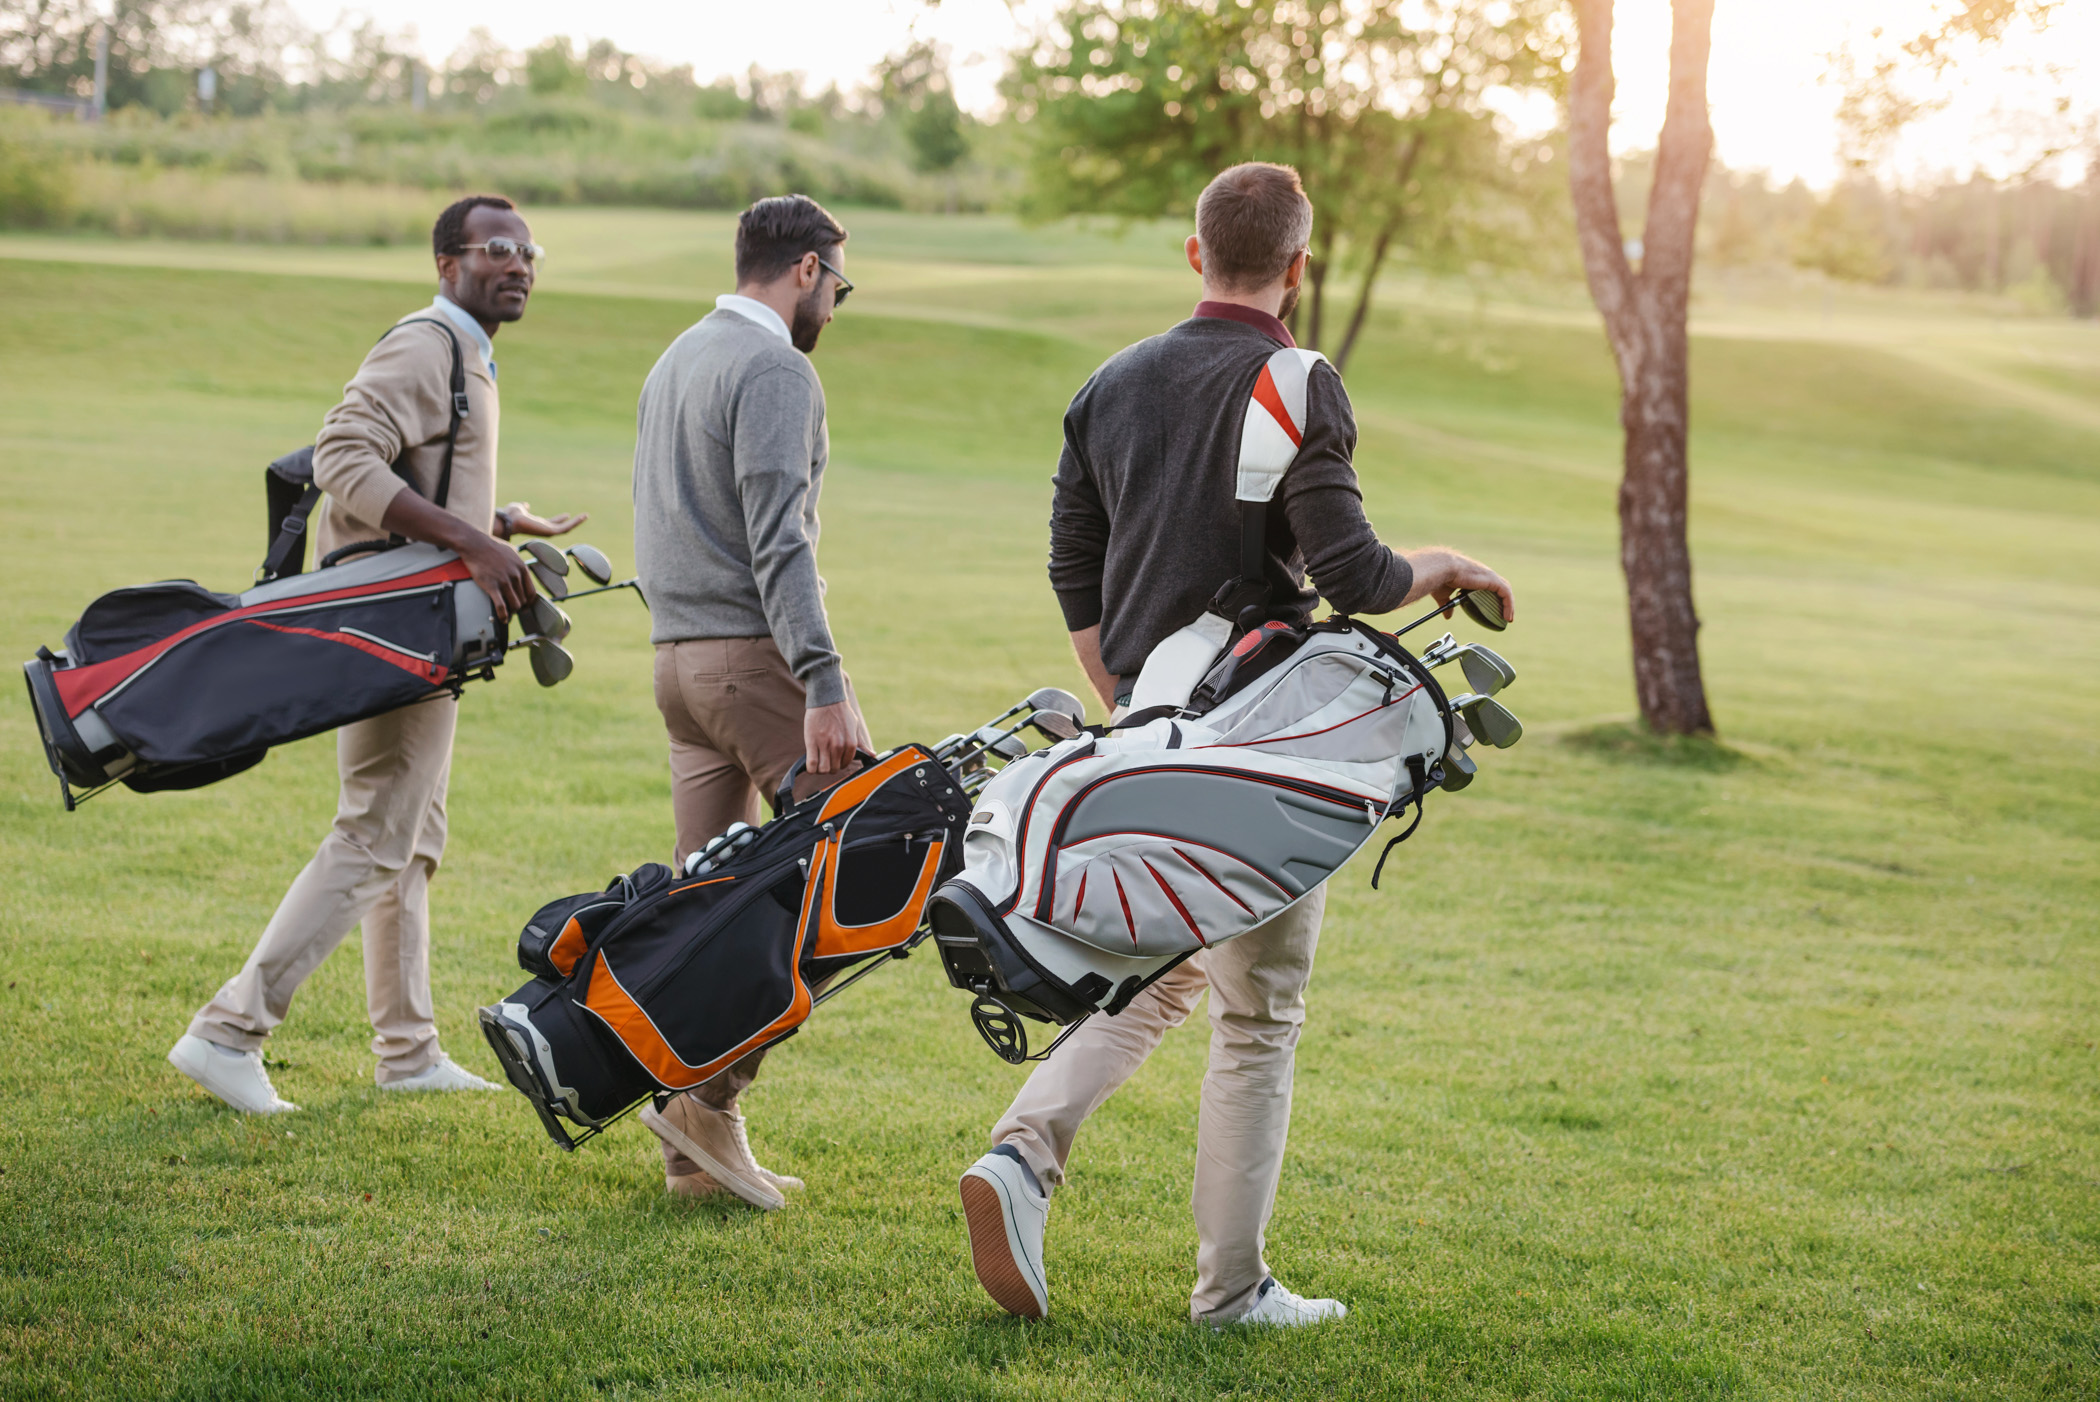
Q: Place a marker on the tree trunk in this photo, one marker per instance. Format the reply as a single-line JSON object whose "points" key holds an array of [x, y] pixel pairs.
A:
{"points": [[1379, 248], [1316, 274], [1644, 316]]}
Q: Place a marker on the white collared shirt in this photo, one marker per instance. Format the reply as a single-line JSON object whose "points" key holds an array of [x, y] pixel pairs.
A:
{"points": [[462, 318], [751, 309]]}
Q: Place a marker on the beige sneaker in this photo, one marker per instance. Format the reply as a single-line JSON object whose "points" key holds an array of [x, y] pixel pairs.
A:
{"points": [[691, 1185], [715, 1140]]}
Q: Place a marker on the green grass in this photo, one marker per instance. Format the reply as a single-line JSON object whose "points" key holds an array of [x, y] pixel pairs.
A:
{"points": [[1755, 1069]]}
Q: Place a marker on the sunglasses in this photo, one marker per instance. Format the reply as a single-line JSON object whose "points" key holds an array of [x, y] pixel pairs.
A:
{"points": [[503, 250], [845, 287]]}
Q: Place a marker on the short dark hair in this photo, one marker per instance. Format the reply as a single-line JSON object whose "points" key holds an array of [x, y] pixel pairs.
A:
{"points": [[773, 234], [449, 234], [1251, 221]]}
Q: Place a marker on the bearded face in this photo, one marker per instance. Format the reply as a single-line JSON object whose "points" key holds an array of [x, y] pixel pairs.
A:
{"points": [[809, 318]]}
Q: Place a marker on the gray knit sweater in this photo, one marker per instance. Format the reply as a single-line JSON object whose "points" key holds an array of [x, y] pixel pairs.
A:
{"points": [[728, 461]]}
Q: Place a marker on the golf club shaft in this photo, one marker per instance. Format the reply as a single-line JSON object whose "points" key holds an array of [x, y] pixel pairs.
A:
{"points": [[1441, 610], [634, 584]]}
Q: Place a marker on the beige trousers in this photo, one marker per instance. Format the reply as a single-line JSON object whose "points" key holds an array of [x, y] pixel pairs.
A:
{"points": [[1257, 1009], [734, 714], [373, 867]]}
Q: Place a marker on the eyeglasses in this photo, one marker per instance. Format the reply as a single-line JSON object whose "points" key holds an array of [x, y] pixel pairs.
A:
{"points": [[845, 287], [503, 250]]}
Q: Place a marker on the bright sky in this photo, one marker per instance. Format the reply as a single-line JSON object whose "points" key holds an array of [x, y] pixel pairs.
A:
{"points": [[1770, 108]]}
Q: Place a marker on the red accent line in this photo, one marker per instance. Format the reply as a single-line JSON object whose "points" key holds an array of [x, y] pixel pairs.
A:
{"points": [[1128, 923], [1266, 395], [1174, 841], [1187, 918], [1215, 882], [80, 687], [1079, 901], [1309, 734], [412, 665]]}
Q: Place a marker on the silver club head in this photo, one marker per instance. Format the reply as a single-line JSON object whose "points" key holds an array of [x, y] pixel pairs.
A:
{"points": [[544, 617], [1440, 651], [1055, 725], [1063, 702], [1001, 743], [1485, 670], [591, 560], [1459, 769], [551, 663], [1483, 608], [1489, 720], [546, 553], [552, 584]]}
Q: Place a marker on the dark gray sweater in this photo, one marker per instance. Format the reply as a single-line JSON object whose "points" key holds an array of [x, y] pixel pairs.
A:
{"points": [[1144, 527]]}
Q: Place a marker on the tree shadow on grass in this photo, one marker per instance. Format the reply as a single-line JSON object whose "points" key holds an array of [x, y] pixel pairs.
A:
{"points": [[1631, 742]]}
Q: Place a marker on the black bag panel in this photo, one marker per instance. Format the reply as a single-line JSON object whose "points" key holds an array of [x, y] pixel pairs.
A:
{"points": [[126, 620], [192, 776], [545, 929], [587, 1058], [265, 681], [711, 962], [877, 876]]}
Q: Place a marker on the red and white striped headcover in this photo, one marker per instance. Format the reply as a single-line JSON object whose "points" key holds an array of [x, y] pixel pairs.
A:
{"points": [[1275, 423]]}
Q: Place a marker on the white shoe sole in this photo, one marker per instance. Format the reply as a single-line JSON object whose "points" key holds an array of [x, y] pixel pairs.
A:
{"points": [[759, 1195], [180, 1058], [995, 1247]]}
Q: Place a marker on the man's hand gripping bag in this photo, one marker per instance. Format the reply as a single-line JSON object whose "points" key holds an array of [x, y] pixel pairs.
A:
{"points": [[660, 982]]}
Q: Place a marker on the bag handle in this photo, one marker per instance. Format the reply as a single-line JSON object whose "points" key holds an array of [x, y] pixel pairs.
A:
{"points": [[784, 796]]}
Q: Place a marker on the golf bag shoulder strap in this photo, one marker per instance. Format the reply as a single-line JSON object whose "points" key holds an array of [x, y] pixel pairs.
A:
{"points": [[459, 408], [294, 472], [1270, 436]]}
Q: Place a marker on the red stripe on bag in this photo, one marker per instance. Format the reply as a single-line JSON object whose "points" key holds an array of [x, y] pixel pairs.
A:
{"points": [[1266, 395], [428, 671], [1186, 918]]}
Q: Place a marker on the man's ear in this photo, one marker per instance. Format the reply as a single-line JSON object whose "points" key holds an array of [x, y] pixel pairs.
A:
{"points": [[1295, 273], [808, 271], [1194, 249], [448, 268]]}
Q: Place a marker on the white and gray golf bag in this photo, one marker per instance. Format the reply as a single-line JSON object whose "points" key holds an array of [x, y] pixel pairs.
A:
{"points": [[1242, 778]]}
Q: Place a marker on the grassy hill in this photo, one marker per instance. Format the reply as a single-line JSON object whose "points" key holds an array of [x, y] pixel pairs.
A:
{"points": [[1757, 1069]]}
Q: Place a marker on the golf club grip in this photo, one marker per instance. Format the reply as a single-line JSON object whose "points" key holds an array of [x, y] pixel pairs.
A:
{"points": [[785, 794]]}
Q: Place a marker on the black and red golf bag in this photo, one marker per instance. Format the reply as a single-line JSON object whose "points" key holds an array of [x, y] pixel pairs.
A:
{"points": [[661, 981]]}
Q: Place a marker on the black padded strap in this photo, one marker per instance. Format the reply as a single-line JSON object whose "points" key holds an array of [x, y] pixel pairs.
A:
{"points": [[459, 407]]}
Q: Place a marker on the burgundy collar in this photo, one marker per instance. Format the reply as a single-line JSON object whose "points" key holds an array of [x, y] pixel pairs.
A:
{"points": [[1261, 321]]}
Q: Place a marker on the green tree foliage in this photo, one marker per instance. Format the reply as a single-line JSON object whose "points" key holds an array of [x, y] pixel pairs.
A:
{"points": [[552, 69], [1383, 106], [915, 84]]}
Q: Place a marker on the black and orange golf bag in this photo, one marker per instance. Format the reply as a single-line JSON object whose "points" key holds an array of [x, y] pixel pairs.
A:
{"points": [[661, 981]]}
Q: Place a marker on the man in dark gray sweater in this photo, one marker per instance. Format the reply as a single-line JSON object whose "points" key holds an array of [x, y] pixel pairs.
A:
{"points": [[729, 457], [1143, 532]]}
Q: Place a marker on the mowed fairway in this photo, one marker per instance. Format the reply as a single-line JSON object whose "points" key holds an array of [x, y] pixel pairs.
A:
{"points": [[1758, 1070]]}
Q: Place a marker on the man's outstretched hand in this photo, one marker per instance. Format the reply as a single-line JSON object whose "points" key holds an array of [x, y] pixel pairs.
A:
{"points": [[1444, 574], [830, 735], [523, 522]]}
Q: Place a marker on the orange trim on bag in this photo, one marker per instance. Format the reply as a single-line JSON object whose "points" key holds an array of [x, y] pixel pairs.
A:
{"points": [[857, 788], [835, 937], [572, 942]]}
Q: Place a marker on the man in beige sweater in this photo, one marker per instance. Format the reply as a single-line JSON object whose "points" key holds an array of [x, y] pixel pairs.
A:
{"points": [[379, 457]]}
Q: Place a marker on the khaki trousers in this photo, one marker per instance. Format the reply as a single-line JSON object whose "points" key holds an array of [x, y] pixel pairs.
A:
{"points": [[734, 714], [373, 867], [1257, 1009]]}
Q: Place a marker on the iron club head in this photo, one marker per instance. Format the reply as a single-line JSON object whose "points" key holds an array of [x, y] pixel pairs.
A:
{"points": [[543, 617], [551, 584], [591, 560], [1054, 725], [1489, 719], [551, 663], [1483, 608], [1485, 670], [1062, 702], [546, 553]]}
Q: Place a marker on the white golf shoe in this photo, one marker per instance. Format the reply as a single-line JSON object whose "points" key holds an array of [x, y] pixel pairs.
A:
{"points": [[442, 1074], [1006, 1214], [233, 1076], [1279, 1308]]}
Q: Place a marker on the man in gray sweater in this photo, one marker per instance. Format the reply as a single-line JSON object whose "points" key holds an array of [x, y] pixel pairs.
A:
{"points": [[729, 458]]}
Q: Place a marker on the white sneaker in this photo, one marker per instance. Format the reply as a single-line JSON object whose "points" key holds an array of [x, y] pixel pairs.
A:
{"points": [[443, 1074], [1006, 1218], [1279, 1307], [235, 1077]]}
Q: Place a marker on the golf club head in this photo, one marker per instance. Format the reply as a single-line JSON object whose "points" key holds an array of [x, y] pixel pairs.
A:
{"points": [[1052, 698], [543, 617], [1459, 769], [1483, 608], [1489, 719], [546, 553], [551, 663], [1485, 670], [1054, 725], [1440, 651], [591, 560], [997, 742], [551, 583]]}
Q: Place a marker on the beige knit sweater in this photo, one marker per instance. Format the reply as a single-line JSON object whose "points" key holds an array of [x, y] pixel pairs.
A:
{"points": [[401, 397]]}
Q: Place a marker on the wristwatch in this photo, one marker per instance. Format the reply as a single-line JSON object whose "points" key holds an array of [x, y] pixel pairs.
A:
{"points": [[502, 523]]}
